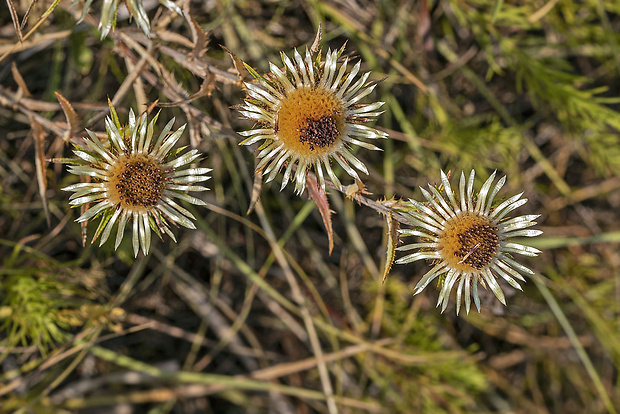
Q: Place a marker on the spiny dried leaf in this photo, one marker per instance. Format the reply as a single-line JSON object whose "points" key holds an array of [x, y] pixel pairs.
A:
{"points": [[84, 224], [354, 191], [207, 86], [316, 45], [316, 193], [73, 120], [23, 89], [392, 241], [240, 66], [395, 204], [199, 36], [256, 188], [39, 135]]}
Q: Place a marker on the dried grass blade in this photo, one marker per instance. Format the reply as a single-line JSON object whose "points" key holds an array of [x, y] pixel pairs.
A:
{"points": [[256, 188], [25, 18], [19, 80], [39, 139], [15, 19]]}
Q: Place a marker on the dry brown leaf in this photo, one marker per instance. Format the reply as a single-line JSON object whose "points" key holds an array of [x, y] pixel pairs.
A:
{"points": [[316, 193], [39, 135], [73, 120]]}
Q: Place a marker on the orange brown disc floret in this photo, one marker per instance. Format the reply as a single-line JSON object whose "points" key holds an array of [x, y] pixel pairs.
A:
{"points": [[136, 182], [309, 116], [469, 242], [310, 121]]}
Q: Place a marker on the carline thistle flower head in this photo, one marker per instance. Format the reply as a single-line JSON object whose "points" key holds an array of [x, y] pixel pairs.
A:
{"points": [[468, 239], [133, 177], [307, 115]]}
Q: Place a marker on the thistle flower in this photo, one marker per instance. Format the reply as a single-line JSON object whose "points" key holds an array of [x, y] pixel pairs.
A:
{"points": [[468, 239], [309, 114], [134, 177]]}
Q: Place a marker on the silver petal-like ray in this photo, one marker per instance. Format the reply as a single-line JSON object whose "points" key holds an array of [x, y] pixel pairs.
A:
{"points": [[483, 193], [135, 234], [429, 277], [505, 204], [418, 256], [448, 190], [520, 249], [451, 278], [459, 293], [470, 191]]}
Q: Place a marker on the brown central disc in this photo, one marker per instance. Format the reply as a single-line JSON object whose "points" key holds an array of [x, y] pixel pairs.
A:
{"points": [[469, 242], [136, 182], [310, 121]]}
